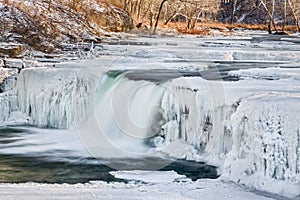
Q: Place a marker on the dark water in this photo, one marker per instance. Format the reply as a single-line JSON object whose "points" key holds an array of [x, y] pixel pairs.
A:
{"points": [[17, 168], [163, 75], [217, 70]]}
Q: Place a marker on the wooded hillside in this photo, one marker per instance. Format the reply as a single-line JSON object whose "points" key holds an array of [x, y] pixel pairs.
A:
{"points": [[45, 25]]}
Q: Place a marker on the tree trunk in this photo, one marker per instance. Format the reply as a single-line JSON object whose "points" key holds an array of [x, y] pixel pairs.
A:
{"points": [[284, 20], [188, 23], [271, 16], [139, 10], [233, 6], [294, 15], [158, 14], [170, 18], [125, 5]]}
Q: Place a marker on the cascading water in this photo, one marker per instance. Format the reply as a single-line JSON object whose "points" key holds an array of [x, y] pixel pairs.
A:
{"points": [[126, 113]]}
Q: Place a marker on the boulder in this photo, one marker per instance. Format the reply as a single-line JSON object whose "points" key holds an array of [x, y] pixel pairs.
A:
{"points": [[8, 79]]}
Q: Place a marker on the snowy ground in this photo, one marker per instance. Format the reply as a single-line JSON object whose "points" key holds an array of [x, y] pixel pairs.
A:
{"points": [[154, 185]]}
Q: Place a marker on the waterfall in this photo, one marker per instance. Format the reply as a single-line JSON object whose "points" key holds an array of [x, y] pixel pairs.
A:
{"points": [[254, 141], [126, 113]]}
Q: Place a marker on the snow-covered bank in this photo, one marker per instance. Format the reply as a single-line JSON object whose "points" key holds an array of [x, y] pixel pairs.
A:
{"points": [[163, 187]]}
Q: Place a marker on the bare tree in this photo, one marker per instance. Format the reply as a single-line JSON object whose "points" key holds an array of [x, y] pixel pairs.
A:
{"points": [[270, 14], [292, 6], [158, 14], [172, 10], [284, 15], [233, 7]]}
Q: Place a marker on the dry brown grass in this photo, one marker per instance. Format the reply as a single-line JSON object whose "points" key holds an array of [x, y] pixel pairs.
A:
{"points": [[116, 3], [204, 28]]}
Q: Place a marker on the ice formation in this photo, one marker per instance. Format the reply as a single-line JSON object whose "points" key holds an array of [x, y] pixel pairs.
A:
{"points": [[266, 144], [49, 97], [254, 140]]}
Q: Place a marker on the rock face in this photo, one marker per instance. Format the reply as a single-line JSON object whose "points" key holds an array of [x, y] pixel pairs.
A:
{"points": [[46, 26], [11, 50], [8, 83], [8, 79]]}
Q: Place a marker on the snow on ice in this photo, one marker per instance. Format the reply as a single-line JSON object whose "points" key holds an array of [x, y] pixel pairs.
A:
{"points": [[180, 188]]}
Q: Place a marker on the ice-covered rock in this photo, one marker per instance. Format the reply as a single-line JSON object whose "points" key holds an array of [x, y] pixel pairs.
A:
{"points": [[8, 83], [197, 117], [257, 138], [266, 144], [51, 97], [8, 104], [150, 176]]}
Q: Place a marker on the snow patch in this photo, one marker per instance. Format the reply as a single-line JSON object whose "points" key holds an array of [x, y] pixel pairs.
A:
{"points": [[150, 176]]}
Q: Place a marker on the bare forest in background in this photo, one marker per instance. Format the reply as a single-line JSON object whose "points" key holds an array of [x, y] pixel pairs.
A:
{"points": [[149, 13], [45, 25], [278, 14]]}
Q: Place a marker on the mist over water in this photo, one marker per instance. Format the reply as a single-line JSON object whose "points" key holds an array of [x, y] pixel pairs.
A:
{"points": [[57, 156]]}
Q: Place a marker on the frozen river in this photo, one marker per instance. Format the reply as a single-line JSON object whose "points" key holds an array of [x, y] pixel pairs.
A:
{"points": [[207, 112]]}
